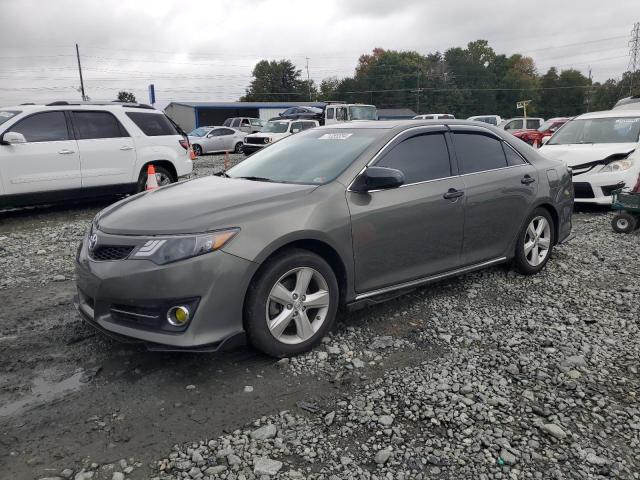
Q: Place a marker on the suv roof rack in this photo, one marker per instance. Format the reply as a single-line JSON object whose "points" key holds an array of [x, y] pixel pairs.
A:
{"points": [[115, 102]]}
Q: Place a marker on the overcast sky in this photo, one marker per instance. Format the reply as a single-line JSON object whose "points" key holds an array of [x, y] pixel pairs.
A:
{"points": [[205, 50]]}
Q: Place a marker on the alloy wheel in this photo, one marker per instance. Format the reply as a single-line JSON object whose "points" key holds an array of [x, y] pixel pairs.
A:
{"points": [[537, 241], [297, 305], [163, 179], [622, 223]]}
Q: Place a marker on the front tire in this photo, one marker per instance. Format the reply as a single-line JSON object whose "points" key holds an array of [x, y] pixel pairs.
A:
{"points": [[291, 304], [535, 243], [624, 223]]}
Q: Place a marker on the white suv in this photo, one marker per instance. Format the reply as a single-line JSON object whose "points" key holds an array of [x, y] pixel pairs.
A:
{"points": [[63, 151], [273, 131]]}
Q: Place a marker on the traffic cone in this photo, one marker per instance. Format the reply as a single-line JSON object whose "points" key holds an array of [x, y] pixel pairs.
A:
{"points": [[536, 143], [226, 160], [152, 181], [192, 154]]}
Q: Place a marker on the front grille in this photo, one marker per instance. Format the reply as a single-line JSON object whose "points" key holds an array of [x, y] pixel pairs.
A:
{"points": [[110, 252], [255, 140], [583, 190]]}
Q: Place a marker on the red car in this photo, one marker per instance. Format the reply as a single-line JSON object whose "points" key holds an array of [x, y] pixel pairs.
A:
{"points": [[546, 130]]}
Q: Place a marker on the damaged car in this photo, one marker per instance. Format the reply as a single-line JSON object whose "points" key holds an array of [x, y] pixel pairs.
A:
{"points": [[602, 150]]}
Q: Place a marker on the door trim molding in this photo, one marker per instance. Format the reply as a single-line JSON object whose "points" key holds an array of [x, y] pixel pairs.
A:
{"points": [[432, 278]]}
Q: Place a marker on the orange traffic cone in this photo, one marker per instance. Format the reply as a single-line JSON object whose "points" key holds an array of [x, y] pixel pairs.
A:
{"points": [[152, 181], [226, 160], [536, 144], [192, 154]]}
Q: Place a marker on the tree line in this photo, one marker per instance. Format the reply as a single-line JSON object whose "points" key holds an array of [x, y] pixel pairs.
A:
{"points": [[463, 81]]}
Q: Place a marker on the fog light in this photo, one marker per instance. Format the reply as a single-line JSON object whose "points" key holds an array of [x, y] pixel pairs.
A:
{"points": [[178, 316]]}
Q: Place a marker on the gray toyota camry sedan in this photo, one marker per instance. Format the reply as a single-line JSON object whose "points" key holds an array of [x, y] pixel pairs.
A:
{"points": [[344, 215]]}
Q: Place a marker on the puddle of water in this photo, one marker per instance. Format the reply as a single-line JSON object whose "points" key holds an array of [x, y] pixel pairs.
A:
{"points": [[43, 390]]}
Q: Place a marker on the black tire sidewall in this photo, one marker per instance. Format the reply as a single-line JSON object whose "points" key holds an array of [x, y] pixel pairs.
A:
{"points": [[238, 148], [632, 223], [255, 323], [520, 259]]}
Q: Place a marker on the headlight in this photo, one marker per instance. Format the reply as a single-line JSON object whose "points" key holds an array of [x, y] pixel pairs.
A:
{"points": [[617, 166], [167, 250]]}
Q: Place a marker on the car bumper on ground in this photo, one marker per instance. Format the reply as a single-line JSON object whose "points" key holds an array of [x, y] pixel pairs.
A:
{"points": [[129, 299], [596, 188]]}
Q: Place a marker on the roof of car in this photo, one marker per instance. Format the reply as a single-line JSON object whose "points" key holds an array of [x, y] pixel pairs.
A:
{"points": [[390, 124], [70, 105], [627, 112]]}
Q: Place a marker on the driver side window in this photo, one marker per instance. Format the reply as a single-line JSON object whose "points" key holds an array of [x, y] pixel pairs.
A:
{"points": [[43, 127]]}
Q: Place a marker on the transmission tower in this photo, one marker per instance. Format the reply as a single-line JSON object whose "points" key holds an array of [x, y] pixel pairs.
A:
{"points": [[634, 54]]}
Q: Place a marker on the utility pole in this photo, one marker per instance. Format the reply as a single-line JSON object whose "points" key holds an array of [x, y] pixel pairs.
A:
{"points": [[418, 91], [84, 98], [634, 54], [308, 79], [589, 91]]}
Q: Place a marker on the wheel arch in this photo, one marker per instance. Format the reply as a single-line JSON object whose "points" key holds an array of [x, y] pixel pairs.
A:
{"points": [[555, 217]]}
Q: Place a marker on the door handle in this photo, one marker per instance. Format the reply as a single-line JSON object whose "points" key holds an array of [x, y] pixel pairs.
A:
{"points": [[66, 152], [126, 147], [453, 193], [527, 179]]}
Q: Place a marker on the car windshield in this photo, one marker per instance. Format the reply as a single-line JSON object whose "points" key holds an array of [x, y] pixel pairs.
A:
{"points": [[256, 122], [312, 157], [199, 132], [546, 126], [598, 130], [7, 114], [275, 127], [362, 112]]}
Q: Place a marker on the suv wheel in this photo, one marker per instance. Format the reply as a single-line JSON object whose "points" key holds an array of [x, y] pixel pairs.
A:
{"points": [[535, 243], [163, 176], [291, 304]]}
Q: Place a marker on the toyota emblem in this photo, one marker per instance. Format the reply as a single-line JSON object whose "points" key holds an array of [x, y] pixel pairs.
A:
{"points": [[93, 240]]}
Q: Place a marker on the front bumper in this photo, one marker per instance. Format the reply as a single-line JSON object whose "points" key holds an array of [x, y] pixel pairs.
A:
{"points": [[252, 147], [215, 282], [595, 188]]}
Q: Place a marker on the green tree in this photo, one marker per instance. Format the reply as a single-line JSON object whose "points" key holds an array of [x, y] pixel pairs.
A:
{"points": [[128, 97], [278, 80]]}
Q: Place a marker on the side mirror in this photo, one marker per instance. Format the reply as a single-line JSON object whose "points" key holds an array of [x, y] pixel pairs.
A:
{"points": [[544, 140], [377, 178], [11, 138]]}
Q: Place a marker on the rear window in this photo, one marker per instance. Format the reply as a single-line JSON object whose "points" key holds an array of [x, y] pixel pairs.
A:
{"points": [[153, 124]]}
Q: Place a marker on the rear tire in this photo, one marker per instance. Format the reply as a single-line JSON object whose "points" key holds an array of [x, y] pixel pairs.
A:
{"points": [[291, 304], [535, 243], [164, 176], [197, 150], [624, 223], [238, 148]]}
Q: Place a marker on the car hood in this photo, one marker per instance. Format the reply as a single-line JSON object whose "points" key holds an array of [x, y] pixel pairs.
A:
{"points": [[197, 206], [578, 154]]}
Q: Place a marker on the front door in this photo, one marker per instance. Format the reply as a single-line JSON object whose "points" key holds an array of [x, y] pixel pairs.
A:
{"points": [[413, 231], [107, 152], [499, 190], [48, 161]]}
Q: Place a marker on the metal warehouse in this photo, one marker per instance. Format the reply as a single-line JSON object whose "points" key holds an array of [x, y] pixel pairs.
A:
{"points": [[190, 115]]}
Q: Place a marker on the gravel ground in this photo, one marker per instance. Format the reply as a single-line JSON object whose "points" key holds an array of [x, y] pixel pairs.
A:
{"points": [[489, 376]]}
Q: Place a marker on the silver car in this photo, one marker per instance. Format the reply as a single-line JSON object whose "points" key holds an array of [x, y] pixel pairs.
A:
{"points": [[348, 214], [216, 140]]}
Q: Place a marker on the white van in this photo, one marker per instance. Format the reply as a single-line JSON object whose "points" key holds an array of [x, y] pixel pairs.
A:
{"points": [[66, 150]]}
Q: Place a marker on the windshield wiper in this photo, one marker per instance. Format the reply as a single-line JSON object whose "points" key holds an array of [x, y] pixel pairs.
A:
{"points": [[256, 179]]}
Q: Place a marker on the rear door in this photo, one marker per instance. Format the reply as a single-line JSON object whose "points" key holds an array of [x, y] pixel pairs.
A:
{"points": [[107, 152], [227, 139], [49, 159], [499, 190], [410, 232]]}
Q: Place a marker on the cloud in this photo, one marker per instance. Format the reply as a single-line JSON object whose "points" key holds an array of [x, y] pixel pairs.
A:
{"points": [[206, 50]]}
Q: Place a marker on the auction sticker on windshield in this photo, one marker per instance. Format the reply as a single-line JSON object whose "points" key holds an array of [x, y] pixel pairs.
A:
{"points": [[335, 136]]}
